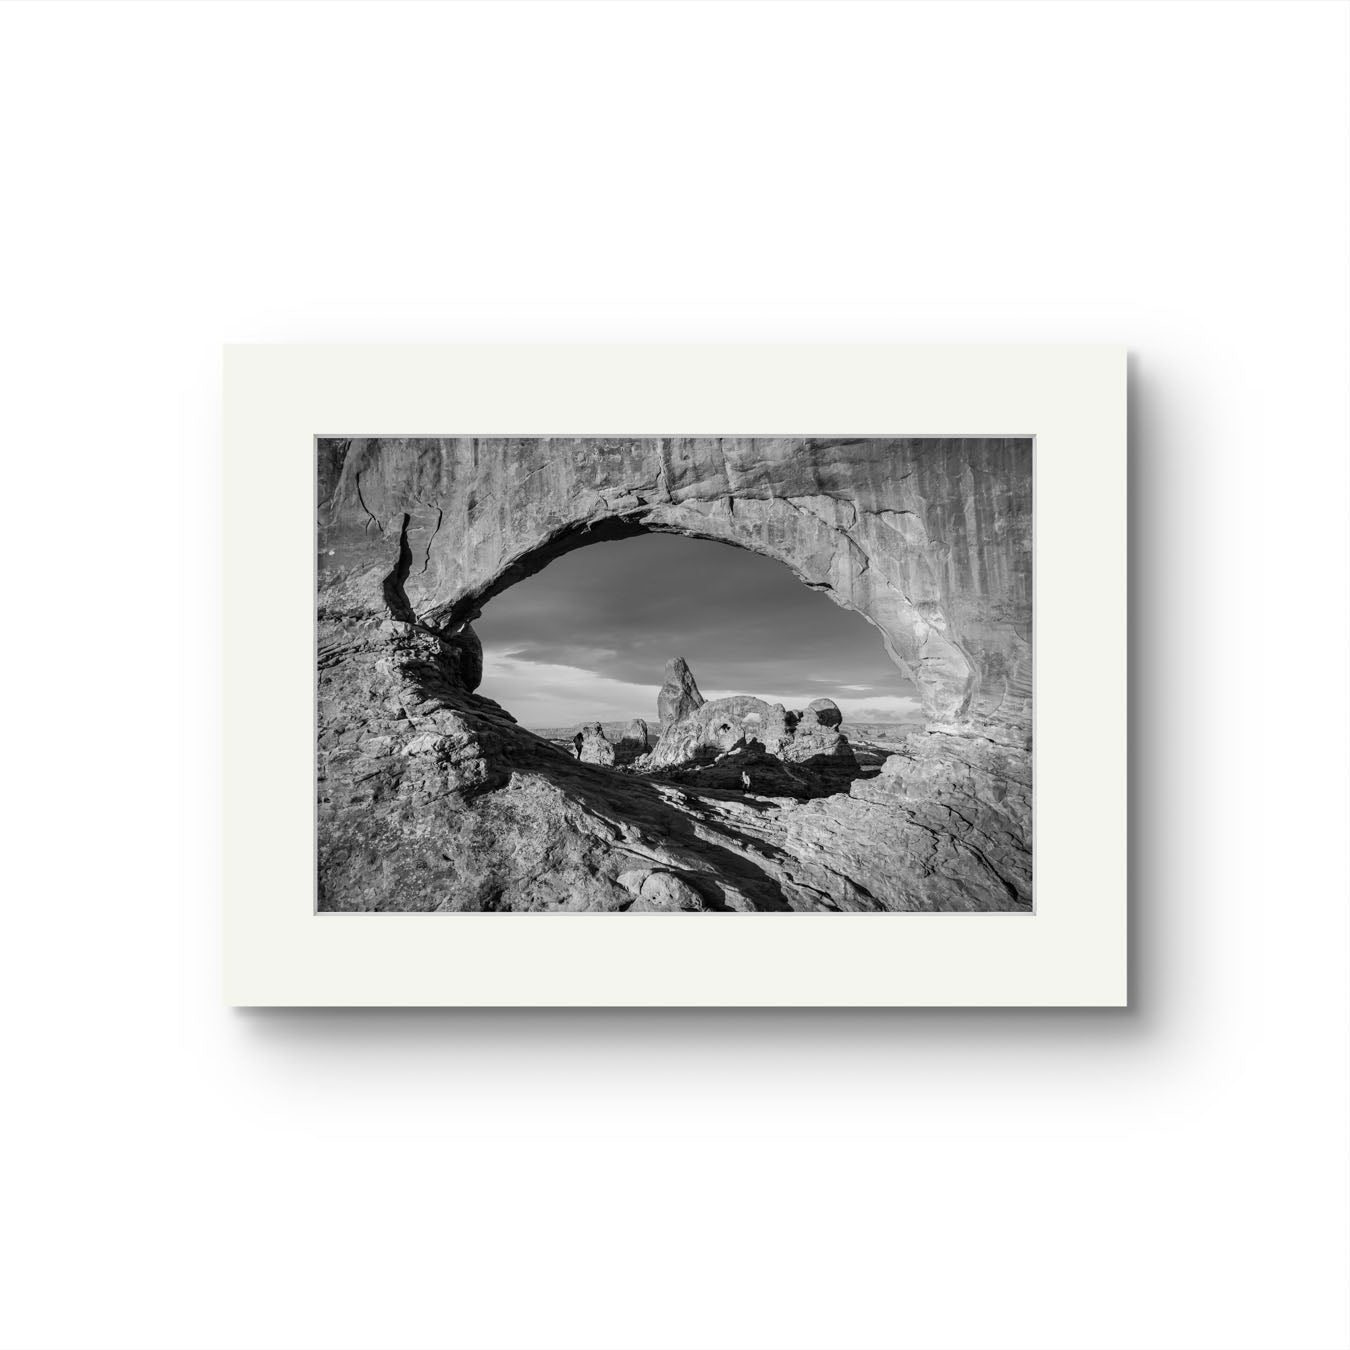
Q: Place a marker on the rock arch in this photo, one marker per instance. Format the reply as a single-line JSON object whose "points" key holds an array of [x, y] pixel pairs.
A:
{"points": [[929, 539]]}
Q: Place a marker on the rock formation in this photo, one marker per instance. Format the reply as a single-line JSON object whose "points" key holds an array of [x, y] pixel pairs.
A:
{"points": [[634, 743], [661, 893], [776, 727], [679, 694], [823, 753], [825, 712], [705, 732], [744, 742], [594, 746], [431, 797]]}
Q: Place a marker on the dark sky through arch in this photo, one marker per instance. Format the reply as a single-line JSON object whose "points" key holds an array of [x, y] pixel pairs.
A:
{"points": [[588, 637]]}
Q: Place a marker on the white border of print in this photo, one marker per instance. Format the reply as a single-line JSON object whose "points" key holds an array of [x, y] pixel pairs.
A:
{"points": [[1071, 952]]}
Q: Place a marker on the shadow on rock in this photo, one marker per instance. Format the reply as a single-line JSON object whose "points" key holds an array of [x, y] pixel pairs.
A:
{"points": [[748, 768]]}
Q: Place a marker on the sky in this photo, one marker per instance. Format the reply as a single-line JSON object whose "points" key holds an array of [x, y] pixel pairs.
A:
{"points": [[587, 639]]}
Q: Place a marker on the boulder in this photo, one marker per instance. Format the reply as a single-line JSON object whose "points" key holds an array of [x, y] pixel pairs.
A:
{"points": [[594, 747], [824, 711], [664, 893]]}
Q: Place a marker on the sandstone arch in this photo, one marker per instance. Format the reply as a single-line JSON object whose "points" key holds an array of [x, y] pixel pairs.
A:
{"points": [[430, 797], [928, 539]]}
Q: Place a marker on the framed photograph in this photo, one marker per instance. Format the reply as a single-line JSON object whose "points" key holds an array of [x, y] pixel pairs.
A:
{"points": [[622, 676]]}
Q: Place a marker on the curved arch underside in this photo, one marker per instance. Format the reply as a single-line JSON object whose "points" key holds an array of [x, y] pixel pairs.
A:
{"points": [[929, 539]]}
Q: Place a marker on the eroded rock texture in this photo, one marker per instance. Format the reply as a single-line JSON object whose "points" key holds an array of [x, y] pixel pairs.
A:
{"points": [[824, 712], [929, 539], [594, 747], [705, 732], [431, 797], [679, 695], [634, 743], [745, 742]]}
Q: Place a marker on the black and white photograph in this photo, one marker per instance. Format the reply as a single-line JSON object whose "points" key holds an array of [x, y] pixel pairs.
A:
{"points": [[674, 674], [691, 687]]}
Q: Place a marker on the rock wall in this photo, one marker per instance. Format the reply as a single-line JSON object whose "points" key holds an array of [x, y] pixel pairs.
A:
{"points": [[929, 539]]}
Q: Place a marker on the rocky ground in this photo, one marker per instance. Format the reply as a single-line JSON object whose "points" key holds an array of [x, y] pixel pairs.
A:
{"points": [[433, 798]]}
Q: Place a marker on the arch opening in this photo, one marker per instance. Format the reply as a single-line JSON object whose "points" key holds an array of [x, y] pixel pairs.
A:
{"points": [[578, 652], [891, 641]]}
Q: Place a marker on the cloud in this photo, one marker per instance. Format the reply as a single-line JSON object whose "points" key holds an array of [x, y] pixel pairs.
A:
{"points": [[616, 612], [543, 695], [886, 708]]}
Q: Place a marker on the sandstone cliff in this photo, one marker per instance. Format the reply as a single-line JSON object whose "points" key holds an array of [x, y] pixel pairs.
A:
{"points": [[929, 539]]}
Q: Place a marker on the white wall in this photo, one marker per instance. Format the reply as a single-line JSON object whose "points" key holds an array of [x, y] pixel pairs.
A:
{"points": [[1170, 176]]}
